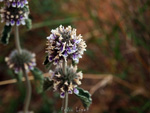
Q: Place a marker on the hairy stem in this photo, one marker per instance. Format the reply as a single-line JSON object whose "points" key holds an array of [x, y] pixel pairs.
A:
{"points": [[28, 92], [65, 101], [28, 84], [17, 41]]}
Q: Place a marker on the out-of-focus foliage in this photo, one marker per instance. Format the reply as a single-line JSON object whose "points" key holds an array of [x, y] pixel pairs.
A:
{"points": [[39, 79], [6, 34], [28, 23]]}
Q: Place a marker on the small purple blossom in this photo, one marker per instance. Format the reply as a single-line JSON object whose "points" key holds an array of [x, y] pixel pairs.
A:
{"points": [[76, 91], [14, 4], [18, 23], [70, 92], [18, 4], [62, 95], [12, 22]]}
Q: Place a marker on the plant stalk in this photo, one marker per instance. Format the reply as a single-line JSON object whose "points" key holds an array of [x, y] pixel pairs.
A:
{"points": [[28, 84], [65, 104], [17, 41], [28, 92]]}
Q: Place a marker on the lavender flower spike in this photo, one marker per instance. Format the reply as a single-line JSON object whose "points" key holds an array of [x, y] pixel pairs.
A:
{"points": [[64, 44], [66, 83]]}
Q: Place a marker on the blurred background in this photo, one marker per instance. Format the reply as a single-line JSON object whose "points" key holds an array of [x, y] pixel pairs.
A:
{"points": [[117, 60]]}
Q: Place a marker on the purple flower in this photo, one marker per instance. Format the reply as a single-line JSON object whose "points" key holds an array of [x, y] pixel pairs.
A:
{"points": [[15, 3], [76, 91], [18, 61], [64, 44], [12, 22], [70, 92], [22, 4], [13, 14], [50, 58], [65, 54], [68, 50], [74, 56], [66, 83], [18, 23], [62, 95], [18, 4]]}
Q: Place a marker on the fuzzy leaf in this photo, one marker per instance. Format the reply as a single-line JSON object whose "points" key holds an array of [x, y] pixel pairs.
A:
{"points": [[38, 76], [47, 63], [26, 8], [28, 23], [6, 34], [47, 84], [19, 76], [85, 97]]}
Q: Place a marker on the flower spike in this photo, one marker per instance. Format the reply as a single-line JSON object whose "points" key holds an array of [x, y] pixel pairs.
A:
{"points": [[64, 44], [66, 82]]}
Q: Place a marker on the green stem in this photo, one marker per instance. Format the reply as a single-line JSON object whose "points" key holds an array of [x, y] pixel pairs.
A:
{"points": [[28, 84], [65, 104], [28, 92], [17, 41]]}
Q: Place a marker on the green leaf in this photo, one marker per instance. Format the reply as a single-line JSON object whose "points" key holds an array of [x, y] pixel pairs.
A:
{"points": [[47, 84], [38, 76], [6, 34], [28, 23], [85, 97], [47, 63], [19, 76], [26, 8], [54, 22]]}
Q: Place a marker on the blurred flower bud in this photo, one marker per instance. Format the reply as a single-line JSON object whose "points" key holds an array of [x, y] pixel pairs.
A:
{"points": [[15, 12], [15, 3], [18, 61]]}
